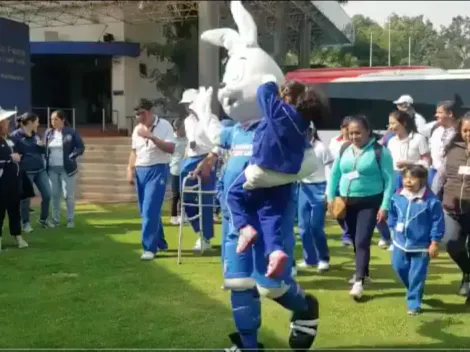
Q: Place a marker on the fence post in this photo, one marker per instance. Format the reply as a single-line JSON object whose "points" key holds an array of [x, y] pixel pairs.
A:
{"points": [[73, 118], [48, 117], [103, 118]]}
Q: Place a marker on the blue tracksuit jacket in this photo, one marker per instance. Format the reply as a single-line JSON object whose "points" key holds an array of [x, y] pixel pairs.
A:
{"points": [[280, 138], [416, 222], [239, 140]]}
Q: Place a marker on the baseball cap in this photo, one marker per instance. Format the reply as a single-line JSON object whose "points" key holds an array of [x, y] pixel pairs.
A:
{"points": [[143, 105], [6, 114], [404, 99], [188, 96]]}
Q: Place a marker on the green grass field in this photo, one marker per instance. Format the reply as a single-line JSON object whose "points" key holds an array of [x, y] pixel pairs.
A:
{"points": [[87, 288]]}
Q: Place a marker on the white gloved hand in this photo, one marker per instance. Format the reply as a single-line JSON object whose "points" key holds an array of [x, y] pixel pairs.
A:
{"points": [[201, 105]]}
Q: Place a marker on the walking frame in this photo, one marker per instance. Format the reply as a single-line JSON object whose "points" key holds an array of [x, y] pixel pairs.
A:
{"points": [[196, 189]]}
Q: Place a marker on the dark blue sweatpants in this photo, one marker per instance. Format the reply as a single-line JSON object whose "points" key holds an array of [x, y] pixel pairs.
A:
{"points": [[266, 205]]}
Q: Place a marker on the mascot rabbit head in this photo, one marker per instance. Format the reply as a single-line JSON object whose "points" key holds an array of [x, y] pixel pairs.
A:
{"points": [[246, 67]]}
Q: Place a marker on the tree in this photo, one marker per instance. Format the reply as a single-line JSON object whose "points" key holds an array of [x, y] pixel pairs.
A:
{"points": [[456, 39], [181, 49], [359, 53], [425, 41]]}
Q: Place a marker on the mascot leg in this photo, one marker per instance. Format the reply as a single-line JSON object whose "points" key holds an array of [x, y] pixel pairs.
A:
{"points": [[285, 291], [245, 299], [190, 165]]}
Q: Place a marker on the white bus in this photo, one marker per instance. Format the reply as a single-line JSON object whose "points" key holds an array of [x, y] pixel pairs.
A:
{"points": [[372, 90]]}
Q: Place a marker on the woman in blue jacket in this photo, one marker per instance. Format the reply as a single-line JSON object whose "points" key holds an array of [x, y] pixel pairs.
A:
{"points": [[32, 163], [417, 222], [364, 174], [63, 146]]}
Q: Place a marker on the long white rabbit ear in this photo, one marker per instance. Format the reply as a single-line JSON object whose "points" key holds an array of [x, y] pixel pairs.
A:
{"points": [[227, 38], [245, 23]]}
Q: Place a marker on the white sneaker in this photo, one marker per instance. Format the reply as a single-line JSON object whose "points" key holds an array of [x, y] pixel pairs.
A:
{"points": [[174, 220], [323, 266], [201, 245], [70, 225], [179, 219], [148, 256], [383, 244], [21, 242], [357, 290], [303, 265], [27, 228], [390, 248]]}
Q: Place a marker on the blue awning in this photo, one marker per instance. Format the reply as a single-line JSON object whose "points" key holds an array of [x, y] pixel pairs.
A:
{"points": [[85, 48]]}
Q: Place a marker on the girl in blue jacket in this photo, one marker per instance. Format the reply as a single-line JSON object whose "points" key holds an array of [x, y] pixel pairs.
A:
{"points": [[279, 145], [417, 223]]}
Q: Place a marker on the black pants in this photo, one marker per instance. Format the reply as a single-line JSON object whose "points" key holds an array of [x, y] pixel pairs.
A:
{"points": [[458, 245], [10, 204], [175, 190], [361, 219]]}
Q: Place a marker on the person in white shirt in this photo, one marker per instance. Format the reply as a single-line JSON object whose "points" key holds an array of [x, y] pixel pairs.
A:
{"points": [[407, 146], [199, 148], [175, 168], [405, 103], [335, 147], [447, 116], [152, 146], [311, 209]]}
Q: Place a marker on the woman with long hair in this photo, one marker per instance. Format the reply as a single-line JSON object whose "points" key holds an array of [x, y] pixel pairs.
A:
{"points": [[447, 117], [363, 172], [407, 147], [10, 181], [63, 146], [453, 180], [32, 162]]}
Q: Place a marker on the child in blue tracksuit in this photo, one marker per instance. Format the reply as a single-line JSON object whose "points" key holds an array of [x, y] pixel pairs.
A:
{"points": [[279, 144], [417, 222]]}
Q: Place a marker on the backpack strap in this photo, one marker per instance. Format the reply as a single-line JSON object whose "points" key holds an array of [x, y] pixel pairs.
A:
{"points": [[378, 157], [343, 148], [435, 127]]}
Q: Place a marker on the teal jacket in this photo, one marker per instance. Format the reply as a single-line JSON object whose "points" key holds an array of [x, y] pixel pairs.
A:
{"points": [[372, 180]]}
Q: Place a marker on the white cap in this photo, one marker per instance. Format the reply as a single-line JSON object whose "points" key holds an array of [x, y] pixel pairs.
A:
{"points": [[404, 99], [6, 114], [188, 96]]}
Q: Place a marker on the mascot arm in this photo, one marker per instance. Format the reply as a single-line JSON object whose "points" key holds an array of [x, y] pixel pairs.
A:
{"points": [[257, 177]]}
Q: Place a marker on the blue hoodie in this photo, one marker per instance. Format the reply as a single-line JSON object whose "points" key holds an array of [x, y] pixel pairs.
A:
{"points": [[32, 160], [415, 220], [281, 136]]}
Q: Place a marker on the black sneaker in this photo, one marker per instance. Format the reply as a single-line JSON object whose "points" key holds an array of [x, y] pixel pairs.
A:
{"points": [[304, 326], [237, 344], [464, 289]]}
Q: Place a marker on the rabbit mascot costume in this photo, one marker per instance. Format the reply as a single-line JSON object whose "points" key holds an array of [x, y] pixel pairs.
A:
{"points": [[245, 273]]}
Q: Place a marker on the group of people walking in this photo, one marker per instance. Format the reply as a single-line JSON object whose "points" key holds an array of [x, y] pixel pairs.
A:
{"points": [[48, 162]]}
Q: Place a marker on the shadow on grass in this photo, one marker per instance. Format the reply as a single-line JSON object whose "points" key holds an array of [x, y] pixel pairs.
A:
{"points": [[87, 288]]}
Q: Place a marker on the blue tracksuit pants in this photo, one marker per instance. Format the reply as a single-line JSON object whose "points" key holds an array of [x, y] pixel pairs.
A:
{"points": [[311, 220], [188, 166], [412, 269], [151, 186], [259, 206]]}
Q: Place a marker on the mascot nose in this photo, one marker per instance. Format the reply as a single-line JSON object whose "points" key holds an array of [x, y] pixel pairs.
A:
{"points": [[222, 85]]}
